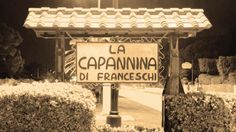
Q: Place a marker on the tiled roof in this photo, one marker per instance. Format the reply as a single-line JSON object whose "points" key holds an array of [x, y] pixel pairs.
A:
{"points": [[110, 18]]}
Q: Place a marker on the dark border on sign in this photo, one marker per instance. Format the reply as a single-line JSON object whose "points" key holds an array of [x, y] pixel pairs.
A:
{"points": [[121, 43]]}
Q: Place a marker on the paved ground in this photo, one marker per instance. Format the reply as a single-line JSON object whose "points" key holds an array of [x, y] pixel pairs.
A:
{"points": [[150, 97], [140, 106], [137, 107]]}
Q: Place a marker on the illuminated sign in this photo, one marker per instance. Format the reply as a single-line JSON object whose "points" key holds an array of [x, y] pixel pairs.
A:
{"points": [[117, 62]]}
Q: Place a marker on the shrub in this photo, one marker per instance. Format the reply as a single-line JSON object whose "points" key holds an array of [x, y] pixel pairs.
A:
{"points": [[232, 106], [197, 112], [232, 78], [10, 55], [217, 80], [210, 79], [208, 66], [230, 102], [232, 62], [107, 128], [226, 65], [46, 107]]}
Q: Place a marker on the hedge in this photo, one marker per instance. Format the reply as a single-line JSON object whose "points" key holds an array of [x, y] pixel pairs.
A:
{"points": [[197, 112], [231, 104], [208, 66], [226, 65], [210, 79], [232, 78], [46, 106], [107, 128]]}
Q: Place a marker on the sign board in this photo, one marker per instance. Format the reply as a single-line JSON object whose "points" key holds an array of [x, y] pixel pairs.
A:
{"points": [[117, 62]]}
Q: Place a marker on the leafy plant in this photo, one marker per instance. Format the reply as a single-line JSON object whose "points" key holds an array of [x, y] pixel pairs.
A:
{"points": [[43, 106], [10, 56], [107, 128], [197, 112], [226, 65], [208, 66]]}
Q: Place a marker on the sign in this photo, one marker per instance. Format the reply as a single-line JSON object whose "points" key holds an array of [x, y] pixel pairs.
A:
{"points": [[117, 62]]}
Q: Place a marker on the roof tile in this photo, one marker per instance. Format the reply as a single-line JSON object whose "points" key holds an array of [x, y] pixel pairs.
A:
{"points": [[110, 18]]}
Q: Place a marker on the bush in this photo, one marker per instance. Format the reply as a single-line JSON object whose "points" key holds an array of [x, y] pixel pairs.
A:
{"points": [[225, 65], [232, 78], [197, 112], [11, 59], [217, 80], [210, 79], [46, 107], [107, 128], [232, 62], [208, 66], [231, 104]]}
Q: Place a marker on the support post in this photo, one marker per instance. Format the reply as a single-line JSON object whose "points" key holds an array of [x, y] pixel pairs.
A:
{"points": [[192, 73], [114, 119], [60, 57], [173, 85], [115, 4], [99, 4], [106, 98]]}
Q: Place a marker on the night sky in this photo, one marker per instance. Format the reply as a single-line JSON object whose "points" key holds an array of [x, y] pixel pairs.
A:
{"points": [[221, 14]]}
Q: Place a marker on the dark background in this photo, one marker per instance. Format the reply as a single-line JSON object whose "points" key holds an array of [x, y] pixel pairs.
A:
{"points": [[221, 13]]}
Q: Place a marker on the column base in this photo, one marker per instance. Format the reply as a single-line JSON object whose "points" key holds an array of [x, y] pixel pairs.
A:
{"points": [[114, 120], [173, 86]]}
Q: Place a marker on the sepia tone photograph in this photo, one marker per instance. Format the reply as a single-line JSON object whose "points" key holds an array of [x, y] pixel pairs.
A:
{"points": [[117, 66]]}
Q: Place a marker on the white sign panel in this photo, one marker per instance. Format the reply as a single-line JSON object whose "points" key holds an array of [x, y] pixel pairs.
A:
{"points": [[117, 62]]}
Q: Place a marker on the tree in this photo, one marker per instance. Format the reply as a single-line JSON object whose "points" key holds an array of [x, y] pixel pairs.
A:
{"points": [[10, 56]]}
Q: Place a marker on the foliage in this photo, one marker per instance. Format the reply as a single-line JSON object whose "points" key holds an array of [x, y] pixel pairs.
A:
{"points": [[232, 78], [231, 104], [214, 79], [49, 76], [210, 79], [96, 89], [208, 66], [197, 112], [199, 47], [226, 64], [107, 128], [92, 86], [39, 106], [192, 52], [10, 56], [38, 71]]}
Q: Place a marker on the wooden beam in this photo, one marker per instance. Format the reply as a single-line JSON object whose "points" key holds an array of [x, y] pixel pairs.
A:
{"points": [[99, 4], [173, 84], [60, 57], [115, 4]]}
